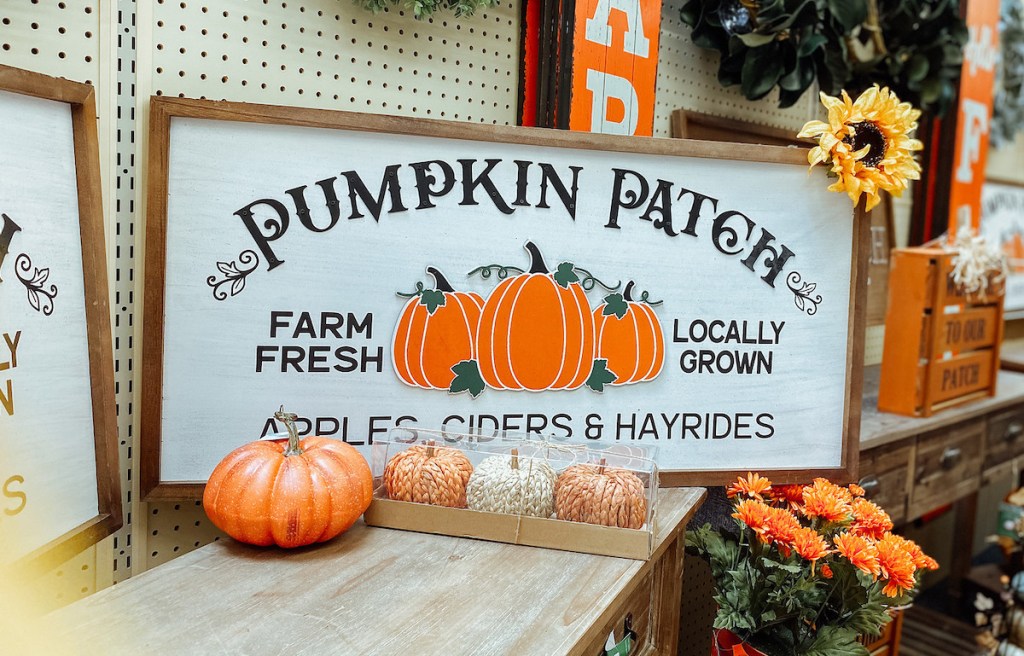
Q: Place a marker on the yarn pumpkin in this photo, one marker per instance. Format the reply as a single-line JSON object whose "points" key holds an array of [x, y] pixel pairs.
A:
{"points": [[536, 330], [428, 474], [629, 337], [596, 494], [436, 330], [288, 492], [508, 485]]}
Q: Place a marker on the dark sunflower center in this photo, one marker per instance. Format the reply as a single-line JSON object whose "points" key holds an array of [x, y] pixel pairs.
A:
{"points": [[867, 133]]}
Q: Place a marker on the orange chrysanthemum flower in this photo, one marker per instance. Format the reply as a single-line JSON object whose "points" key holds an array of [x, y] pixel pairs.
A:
{"points": [[826, 571], [753, 513], [869, 519], [856, 490], [810, 545], [859, 551], [780, 527], [896, 565], [789, 495], [753, 486], [827, 501], [917, 555]]}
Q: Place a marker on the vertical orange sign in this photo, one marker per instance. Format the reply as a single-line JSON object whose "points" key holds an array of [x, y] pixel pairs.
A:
{"points": [[975, 110], [615, 66]]}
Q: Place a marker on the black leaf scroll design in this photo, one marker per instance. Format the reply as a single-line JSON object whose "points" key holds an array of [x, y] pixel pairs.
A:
{"points": [[234, 275], [803, 293], [40, 297]]}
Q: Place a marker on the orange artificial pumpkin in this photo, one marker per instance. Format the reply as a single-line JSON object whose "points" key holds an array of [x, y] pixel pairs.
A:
{"points": [[536, 330], [436, 330], [629, 337], [428, 474], [596, 494], [288, 492]]}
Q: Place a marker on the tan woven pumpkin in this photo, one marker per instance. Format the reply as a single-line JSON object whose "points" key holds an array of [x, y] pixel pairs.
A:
{"points": [[428, 474], [597, 494], [513, 486]]}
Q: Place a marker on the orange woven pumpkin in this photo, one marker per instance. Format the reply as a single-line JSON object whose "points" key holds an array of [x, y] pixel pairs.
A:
{"points": [[629, 337], [536, 331], [596, 494], [428, 474], [288, 492], [436, 330]]}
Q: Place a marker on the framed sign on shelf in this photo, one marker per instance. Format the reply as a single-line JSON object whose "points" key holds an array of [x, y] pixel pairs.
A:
{"points": [[376, 271], [1002, 223], [59, 480]]}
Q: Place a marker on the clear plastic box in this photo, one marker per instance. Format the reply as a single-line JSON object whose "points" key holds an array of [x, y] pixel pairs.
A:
{"points": [[521, 488]]}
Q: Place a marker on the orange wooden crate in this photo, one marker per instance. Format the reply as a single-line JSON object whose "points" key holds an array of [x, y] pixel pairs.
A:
{"points": [[941, 346]]}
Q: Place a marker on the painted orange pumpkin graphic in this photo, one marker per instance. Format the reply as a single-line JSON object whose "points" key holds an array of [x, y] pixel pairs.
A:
{"points": [[536, 330], [435, 331], [629, 337]]}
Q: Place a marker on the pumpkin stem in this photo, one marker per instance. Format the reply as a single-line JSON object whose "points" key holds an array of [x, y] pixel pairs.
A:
{"points": [[441, 283], [289, 419], [601, 465], [627, 293], [430, 449], [536, 259], [515, 458]]}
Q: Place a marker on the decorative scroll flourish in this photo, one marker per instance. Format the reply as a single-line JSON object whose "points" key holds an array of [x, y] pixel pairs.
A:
{"points": [[589, 281], [498, 270], [234, 274], [802, 293], [40, 297]]}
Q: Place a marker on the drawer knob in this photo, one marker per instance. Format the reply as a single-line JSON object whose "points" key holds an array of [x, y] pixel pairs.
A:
{"points": [[1013, 431], [950, 457], [870, 484]]}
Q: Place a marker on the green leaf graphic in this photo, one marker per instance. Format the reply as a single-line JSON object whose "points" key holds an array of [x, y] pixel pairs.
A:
{"points": [[467, 379], [615, 304], [600, 376], [433, 299], [565, 274]]}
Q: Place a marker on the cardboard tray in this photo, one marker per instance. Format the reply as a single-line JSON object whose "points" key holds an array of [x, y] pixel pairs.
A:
{"points": [[637, 544]]}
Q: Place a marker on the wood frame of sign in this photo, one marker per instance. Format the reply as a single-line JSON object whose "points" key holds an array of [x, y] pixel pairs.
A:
{"points": [[164, 109], [82, 100]]}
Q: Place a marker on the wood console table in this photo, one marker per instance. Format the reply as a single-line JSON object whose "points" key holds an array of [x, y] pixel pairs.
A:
{"points": [[381, 591]]}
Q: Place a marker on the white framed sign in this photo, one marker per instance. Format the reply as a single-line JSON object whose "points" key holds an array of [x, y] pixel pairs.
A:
{"points": [[1002, 223], [371, 271], [59, 479]]}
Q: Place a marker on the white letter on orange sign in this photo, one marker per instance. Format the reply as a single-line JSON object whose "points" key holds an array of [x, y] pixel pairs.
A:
{"points": [[605, 87], [975, 126], [599, 31]]}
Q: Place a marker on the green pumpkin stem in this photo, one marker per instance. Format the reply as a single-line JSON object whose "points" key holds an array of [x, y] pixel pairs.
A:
{"points": [[536, 259], [289, 419], [441, 283]]}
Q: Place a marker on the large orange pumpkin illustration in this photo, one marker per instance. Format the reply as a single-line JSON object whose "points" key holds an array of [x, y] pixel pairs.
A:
{"points": [[536, 330], [629, 337], [436, 330]]}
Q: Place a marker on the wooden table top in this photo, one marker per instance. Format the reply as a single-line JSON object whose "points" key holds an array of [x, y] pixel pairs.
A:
{"points": [[370, 591], [879, 428]]}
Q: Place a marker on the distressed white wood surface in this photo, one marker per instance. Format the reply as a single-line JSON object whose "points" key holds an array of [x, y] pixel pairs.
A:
{"points": [[371, 591], [47, 447]]}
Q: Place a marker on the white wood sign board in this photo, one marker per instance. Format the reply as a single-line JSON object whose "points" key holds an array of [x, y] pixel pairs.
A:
{"points": [[58, 483], [1002, 224], [280, 250]]}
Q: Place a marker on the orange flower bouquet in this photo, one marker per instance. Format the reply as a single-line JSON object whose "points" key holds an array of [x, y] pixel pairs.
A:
{"points": [[810, 569]]}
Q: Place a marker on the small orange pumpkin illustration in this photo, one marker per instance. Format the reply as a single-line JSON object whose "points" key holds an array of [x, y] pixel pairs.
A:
{"points": [[436, 330], [428, 474], [629, 337], [536, 330]]}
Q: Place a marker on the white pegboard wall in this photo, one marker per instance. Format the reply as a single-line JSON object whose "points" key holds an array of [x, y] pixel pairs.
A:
{"points": [[688, 79]]}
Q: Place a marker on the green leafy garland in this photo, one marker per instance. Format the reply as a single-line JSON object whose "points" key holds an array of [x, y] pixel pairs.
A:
{"points": [[427, 8], [915, 47], [1008, 109]]}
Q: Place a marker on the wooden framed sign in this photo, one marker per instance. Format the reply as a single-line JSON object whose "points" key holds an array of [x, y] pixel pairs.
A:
{"points": [[373, 271], [59, 479], [1002, 223]]}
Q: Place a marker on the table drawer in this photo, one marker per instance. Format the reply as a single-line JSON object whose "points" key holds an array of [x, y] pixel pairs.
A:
{"points": [[885, 472], [1004, 439], [947, 466]]}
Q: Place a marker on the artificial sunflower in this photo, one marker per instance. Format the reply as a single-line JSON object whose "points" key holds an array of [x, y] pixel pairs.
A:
{"points": [[867, 142]]}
